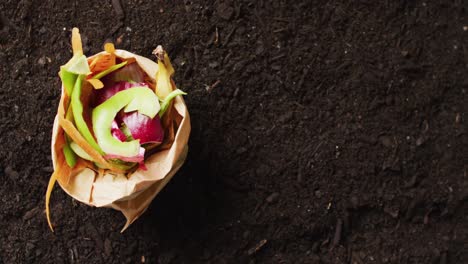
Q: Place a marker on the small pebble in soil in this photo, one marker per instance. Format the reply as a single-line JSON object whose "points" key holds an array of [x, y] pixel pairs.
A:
{"points": [[11, 173], [42, 61], [213, 64], [420, 141], [386, 141], [225, 11], [257, 247], [273, 197], [318, 194], [30, 214]]}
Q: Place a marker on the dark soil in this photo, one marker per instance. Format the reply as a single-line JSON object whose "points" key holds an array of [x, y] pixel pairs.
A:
{"points": [[323, 132]]}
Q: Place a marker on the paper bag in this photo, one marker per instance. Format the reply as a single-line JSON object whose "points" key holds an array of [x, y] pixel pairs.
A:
{"points": [[131, 193]]}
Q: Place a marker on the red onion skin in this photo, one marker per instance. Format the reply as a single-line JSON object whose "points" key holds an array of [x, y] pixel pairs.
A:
{"points": [[117, 133], [107, 92], [145, 129], [141, 127]]}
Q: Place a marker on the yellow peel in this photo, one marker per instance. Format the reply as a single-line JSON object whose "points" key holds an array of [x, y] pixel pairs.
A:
{"points": [[102, 62], [96, 83], [50, 187], [109, 47], [168, 64], [76, 42], [109, 70], [163, 81]]}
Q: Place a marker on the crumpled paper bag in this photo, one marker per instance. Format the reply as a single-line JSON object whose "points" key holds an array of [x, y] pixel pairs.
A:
{"points": [[132, 193]]}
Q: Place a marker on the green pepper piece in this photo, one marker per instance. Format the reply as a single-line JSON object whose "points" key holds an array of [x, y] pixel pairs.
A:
{"points": [[68, 80], [69, 72], [109, 70], [166, 102], [70, 156], [139, 99], [77, 108]]}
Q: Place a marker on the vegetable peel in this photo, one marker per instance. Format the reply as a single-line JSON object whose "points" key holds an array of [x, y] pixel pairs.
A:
{"points": [[70, 156], [79, 151], [101, 62], [109, 47], [109, 70], [166, 102], [76, 137], [139, 99], [77, 108], [163, 81], [96, 83], [50, 187], [76, 42]]}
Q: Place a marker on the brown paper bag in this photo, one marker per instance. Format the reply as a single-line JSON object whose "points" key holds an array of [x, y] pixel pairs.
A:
{"points": [[129, 193]]}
